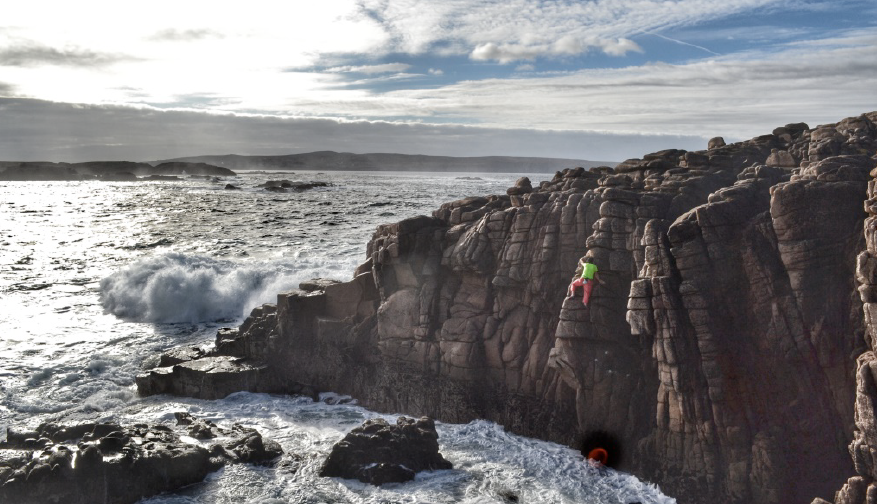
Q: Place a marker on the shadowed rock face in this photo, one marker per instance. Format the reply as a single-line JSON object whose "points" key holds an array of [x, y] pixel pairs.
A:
{"points": [[720, 351]]}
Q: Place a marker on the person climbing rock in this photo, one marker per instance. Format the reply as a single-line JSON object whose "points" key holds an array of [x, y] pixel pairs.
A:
{"points": [[589, 274]]}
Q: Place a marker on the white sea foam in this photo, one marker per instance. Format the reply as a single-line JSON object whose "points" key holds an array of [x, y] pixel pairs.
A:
{"points": [[176, 287], [489, 463]]}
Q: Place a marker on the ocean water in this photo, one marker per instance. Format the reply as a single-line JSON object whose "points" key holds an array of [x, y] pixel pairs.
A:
{"points": [[98, 278]]}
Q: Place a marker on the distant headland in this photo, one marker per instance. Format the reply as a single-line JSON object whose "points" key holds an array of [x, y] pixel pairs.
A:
{"points": [[106, 170], [228, 165]]}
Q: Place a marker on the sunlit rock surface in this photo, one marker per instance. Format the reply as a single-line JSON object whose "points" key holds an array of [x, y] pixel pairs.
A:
{"points": [[721, 351]]}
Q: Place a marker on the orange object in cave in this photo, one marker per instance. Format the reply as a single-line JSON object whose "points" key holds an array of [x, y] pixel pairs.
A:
{"points": [[599, 455]]}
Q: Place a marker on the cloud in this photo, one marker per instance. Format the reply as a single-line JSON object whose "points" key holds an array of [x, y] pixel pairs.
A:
{"points": [[618, 47], [436, 71], [29, 54], [504, 31], [566, 46], [41, 130], [6, 90], [740, 95], [525, 68], [371, 69], [176, 35], [506, 53]]}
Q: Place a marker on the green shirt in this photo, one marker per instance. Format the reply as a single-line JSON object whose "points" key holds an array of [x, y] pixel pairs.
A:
{"points": [[588, 271]]}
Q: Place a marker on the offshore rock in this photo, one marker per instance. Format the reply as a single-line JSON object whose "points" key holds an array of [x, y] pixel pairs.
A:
{"points": [[379, 453], [112, 464], [285, 185], [721, 350]]}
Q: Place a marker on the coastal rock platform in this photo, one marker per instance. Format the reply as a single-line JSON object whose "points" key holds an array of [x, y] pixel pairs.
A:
{"points": [[721, 351]]}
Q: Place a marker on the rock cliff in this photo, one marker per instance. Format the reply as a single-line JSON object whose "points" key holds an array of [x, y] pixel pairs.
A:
{"points": [[861, 487], [721, 350]]}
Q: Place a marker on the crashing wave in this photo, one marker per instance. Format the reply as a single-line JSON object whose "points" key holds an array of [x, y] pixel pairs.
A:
{"points": [[176, 287]]}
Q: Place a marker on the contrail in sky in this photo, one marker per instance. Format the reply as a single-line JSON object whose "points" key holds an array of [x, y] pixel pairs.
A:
{"points": [[686, 44]]}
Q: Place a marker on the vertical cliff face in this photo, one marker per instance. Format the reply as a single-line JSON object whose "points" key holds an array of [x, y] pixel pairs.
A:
{"points": [[861, 488], [721, 351]]}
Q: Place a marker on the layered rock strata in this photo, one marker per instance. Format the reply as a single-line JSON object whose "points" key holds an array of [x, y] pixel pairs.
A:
{"points": [[721, 350]]}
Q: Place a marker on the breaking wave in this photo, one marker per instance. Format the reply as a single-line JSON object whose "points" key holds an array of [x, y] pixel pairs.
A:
{"points": [[176, 287]]}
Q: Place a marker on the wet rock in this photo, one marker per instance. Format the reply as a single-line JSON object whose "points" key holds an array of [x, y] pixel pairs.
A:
{"points": [[286, 185], [179, 355], [197, 428], [379, 453], [116, 464], [210, 377], [250, 447]]}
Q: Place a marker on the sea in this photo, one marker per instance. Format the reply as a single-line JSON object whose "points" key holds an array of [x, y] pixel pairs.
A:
{"points": [[98, 278]]}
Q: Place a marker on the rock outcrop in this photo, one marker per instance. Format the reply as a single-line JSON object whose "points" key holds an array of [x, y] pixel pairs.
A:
{"points": [[720, 353], [111, 464], [378, 453], [286, 185]]}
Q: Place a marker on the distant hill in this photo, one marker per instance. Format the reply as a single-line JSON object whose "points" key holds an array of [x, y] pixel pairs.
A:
{"points": [[329, 160], [104, 170]]}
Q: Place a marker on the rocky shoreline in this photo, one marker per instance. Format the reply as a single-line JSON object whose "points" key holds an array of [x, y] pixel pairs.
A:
{"points": [[721, 352], [90, 463]]}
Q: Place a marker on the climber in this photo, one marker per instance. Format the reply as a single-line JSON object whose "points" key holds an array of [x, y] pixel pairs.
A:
{"points": [[585, 281]]}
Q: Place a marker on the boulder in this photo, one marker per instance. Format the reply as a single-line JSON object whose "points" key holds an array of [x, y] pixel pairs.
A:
{"points": [[716, 142], [378, 452], [522, 186]]}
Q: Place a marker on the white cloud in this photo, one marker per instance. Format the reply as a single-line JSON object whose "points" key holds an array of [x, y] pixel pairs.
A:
{"points": [[619, 47], [565, 46], [372, 69], [738, 96], [506, 53], [509, 30], [525, 68], [435, 71]]}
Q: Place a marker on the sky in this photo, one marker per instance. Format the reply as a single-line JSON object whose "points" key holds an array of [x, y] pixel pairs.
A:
{"points": [[589, 79]]}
